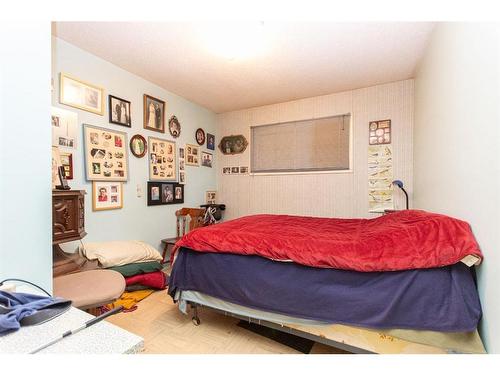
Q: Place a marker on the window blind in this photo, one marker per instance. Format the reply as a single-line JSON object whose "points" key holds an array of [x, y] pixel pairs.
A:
{"points": [[309, 145]]}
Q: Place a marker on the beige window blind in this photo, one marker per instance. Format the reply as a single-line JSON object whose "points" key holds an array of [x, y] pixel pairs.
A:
{"points": [[309, 145]]}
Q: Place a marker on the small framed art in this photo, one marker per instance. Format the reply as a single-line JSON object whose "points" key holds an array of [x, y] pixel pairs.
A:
{"points": [[162, 160], [380, 132], [206, 159], [80, 94], [64, 127], [106, 156], [154, 114], [107, 195], [210, 141], [67, 164], [192, 153], [138, 146], [174, 127], [210, 197], [200, 136], [233, 144], [56, 163], [161, 193], [119, 111]]}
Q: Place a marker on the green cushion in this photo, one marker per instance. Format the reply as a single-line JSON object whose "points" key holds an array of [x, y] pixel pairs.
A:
{"points": [[137, 268]]}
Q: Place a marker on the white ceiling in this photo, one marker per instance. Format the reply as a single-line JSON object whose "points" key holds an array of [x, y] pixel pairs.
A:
{"points": [[293, 59]]}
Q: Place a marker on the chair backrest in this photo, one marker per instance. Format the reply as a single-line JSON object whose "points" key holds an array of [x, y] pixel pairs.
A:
{"points": [[195, 219]]}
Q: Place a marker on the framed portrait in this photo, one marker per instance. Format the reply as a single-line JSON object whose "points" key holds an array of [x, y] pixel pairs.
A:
{"points": [[192, 153], [243, 170], [138, 146], [206, 159], [200, 136], [210, 197], [119, 111], [210, 141], [162, 193], [235, 170], [80, 94], [56, 163], [226, 170], [182, 177], [106, 154], [380, 132], [233, 144], [154, 114], [162, 160], [174, 127], [67, 164], [64, 127], [107, 195]]}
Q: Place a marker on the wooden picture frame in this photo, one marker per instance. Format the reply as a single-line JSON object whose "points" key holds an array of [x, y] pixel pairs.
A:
{"points": [[107, 195], [106, 154], [200, 137], [154, 120], [233, 144], [67, 164], [162, 162], [119, 111], [56, 163], [379, 132], [164, 193], [80, 94], [138, 146], [192, 153], [210, 197]]}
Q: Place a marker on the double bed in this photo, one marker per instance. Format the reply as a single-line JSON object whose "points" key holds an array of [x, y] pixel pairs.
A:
{"points": [[386, 285]]}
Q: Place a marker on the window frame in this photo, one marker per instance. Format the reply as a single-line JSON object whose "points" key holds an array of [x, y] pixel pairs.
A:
{"points": [[329, 171]]}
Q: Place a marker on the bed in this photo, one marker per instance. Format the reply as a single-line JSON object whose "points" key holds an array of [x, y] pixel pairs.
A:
{"points": [[377, 298]]}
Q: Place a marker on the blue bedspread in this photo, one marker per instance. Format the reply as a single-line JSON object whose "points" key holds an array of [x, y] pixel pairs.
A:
{"points": [[439, 299]]}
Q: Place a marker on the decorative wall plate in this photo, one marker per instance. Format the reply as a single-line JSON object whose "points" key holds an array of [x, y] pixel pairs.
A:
{"points": [[138, 146]]}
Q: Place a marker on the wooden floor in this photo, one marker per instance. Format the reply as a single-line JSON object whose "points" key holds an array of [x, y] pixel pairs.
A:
{"points": [[167, 331]]}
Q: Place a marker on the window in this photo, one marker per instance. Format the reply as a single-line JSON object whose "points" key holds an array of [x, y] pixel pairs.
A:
{"points": [[302, 146]]}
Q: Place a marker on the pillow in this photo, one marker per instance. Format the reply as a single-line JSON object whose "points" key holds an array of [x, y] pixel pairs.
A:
{"points": [[137, 268], [119, 253]]}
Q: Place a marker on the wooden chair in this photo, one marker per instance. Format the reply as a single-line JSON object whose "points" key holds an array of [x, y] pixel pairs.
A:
{"points": [[184, 225]]}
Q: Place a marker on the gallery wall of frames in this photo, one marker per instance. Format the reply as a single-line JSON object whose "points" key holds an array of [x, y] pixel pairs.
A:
{"points": [[139, 151]]}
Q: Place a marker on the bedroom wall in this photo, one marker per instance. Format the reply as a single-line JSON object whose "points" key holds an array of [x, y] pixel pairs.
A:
{"points": [[330, 194], [135, 220], [25, 190], [457, 162]]}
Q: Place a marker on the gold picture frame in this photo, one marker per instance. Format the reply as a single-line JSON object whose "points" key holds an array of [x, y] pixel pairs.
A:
{"points": [[162, 155], [193, 155], [79, 94], [107, 195]]}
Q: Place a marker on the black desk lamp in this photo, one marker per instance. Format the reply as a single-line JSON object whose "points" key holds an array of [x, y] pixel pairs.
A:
{"points": [[399, 184]]}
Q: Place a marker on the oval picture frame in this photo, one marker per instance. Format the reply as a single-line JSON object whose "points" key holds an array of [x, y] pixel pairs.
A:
{"points": [[135, 146], [174, 127], [200, 136]]}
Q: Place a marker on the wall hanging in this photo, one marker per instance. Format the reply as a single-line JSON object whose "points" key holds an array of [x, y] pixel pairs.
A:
{"points": [[80, 94], [210, 141], [233, 144], [206, 159], [192, 155], [380, 132], [200, 136], [138, 146], [162, 160], [154, 114], [64, 128], [107, 195], [119, 111]]}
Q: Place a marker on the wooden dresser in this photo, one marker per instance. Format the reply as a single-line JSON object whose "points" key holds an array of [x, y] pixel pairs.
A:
{"points": [[68, 224]]}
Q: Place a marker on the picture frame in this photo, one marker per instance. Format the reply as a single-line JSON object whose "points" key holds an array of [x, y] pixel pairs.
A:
{"points": [[56, 163], [233, 144], [182, 177], [77, 93], [200, 136], [106, 154], [162, 159], [138, 146], [107, 195], [164, 193], [154, 114], [64, 128], [67, 164], [210, 141], [174, 127], [379, 132], [207, 159], [119, 111], [243, 170], [226, 170], [192, 153], [210, 197]]}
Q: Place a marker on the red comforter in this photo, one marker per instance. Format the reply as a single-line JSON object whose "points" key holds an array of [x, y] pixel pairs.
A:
{"points": [[401, 240]]}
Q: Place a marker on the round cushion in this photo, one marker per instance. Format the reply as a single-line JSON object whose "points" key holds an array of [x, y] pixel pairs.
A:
{"points": [[90, 288]]}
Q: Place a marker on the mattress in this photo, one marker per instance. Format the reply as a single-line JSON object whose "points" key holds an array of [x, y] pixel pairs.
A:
{"points": [[438, 299]]}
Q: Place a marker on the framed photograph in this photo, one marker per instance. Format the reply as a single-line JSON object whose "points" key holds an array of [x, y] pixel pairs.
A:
{"points": [[243, 170], [235, 170], [162, 193], [154, 114], [233, 144], [80, 94], [379, 132], [206, 159], [67, 164], [226, 170], [106, 154], [182, 177], [210, 141], [119, 111], [64, 127], [200, 136], [162, 160], [107, 195], [210, 197], [138, 146], [181, 153], [192, 153], [174, 127], [56, 163]]}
